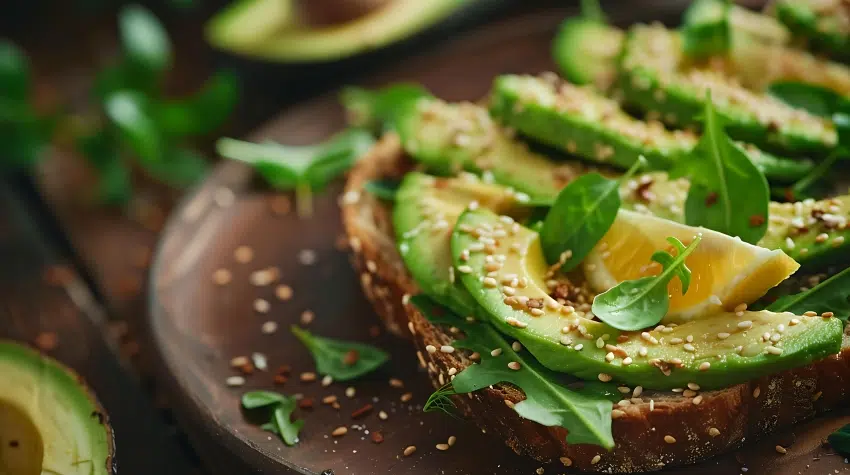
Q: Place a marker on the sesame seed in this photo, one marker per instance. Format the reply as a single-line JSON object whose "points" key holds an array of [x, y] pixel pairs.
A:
{"points": [[327, 380], [669, 439], [269, 327], [689, 393], [595, 460], [307, 257], [234, 381], [452, 371], [566, 461], [609, 357], [600, 343], [623, 389], [827, 315], [396, 383], [383, 416], [431, 349], [704, 366], [781, 449], [756, 392], [308, 377], [697, 400], [329, 399], [675, 341], [283, 292], [565, 340], [578, 347], [260, 361], [536, 312], [627, 360], [689, 347], [794, 321], [243, 254], [406, 397], [838, 241], [514, 365], [810, 314], [496, 352], [516, 346], [447, 349], [350, 391], [638, 391], [745, 324], [515, 323], [651, 405], [714, 432], [605, 377], [643, 351], [261, 305], [722, 336], [822, 237], [442, 446], [239, 361], [774, 350], [741, 307], [222, 277], [617, 413], [307, 317], [452, 440], [409, 450]]}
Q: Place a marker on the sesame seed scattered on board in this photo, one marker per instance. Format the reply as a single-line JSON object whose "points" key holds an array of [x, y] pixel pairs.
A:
{"points": [[669, 439], [329, 399], [396, 383], [222, 277], [595, 460], [308, 377], [447, 349], [234, 381], [307, 317], [409, 450], [339, 431], [431, 349], [327, 380], [452, 440], [283, 292], [714, 432], [566, 461], [350, 391], [261, 305], [383, 416], [756, 392], [269, 327], [781, 449], [442, 446], [307, 257], [243, 254], [406, 397]]}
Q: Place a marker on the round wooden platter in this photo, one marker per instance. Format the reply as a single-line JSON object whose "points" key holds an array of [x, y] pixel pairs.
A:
{"points": [[198, 326]]}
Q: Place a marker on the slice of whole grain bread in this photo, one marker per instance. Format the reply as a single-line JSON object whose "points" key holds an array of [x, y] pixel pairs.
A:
{"points": [[652, 430]]}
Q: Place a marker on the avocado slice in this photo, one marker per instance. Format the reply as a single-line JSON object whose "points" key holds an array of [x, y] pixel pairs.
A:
{"points": [[272, 29], [49, 421], [705, 21], [449, 137], [657, 78], [586, 51], [507, 279], [824, 26], [581, 122]]}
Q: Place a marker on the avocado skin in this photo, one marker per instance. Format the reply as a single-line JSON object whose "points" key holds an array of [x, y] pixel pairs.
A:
{"points": [[680, 101], [813, 339], [586, 51], [802, 20], [27, 369]]}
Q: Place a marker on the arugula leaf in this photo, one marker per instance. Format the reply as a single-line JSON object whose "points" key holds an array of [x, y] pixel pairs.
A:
{"points": [[282, 407], [129, 111], [377, 109], [840, 440], [728, 193], [585, 415], [383, 189], [202, 112], [342, 360], [591, 10], [14, 73], [145, 41], [581, 215], [831, 295], [304, 168], [819, 101], [637, 304], [706, 29]]}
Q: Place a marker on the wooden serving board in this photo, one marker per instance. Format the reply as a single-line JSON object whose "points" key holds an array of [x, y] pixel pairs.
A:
{"points": [[197, 325]]}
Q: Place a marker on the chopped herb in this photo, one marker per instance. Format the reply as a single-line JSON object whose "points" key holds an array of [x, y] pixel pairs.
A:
{"points": [[637, 304], [280, 422], [721, 174], [383, 189], [585, 415], [831, 295], [330, 356], [581, 215], [377, 109], [840, 440], [303, 168]]}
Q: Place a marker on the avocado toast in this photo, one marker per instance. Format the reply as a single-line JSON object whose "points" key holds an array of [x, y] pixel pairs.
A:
{"points": [[474, 259]]}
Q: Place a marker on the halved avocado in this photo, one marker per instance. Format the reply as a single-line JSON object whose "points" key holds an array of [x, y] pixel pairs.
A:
{"points": [[50, 423], [510, 284], [274, 29], [586, 51]]}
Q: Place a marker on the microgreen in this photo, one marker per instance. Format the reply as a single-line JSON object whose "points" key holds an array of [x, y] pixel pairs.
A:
{"points": [[377, 109], [585, 415], [728, 193], [581, 215], [440, 400], [280, 421], [383, 189], [840, 440], [147, 49], [303, 168], [637, 304], [706, 28], [819, 101], [342, 360], [831, 295]]}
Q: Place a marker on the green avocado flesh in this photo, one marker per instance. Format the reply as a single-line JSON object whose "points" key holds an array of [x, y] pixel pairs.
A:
{"points": [[586, 52], [823, 26], [49, 424], [580, 121], [273, 30], [509, 283], [656, 77]]}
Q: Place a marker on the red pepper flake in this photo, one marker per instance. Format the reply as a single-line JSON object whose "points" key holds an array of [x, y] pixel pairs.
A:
{"points": [[46, 341], [306, 403], [711, 199], [377, 437], [284, 370], [247, 368], [756, 220], [789, 195], [280, 379], [351, 357], [362, 411], [642, 191]]}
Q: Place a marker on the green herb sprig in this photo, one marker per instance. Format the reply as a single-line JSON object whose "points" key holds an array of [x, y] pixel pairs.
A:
{"points": [[280, 420], [342, 360], [831, 295], [581, 215], [637, 304], [584, 413], [303, 168], [728, 193]]}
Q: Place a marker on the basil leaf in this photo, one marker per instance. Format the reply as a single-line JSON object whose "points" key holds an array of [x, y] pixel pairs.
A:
{"points": [[270, 427], [840, 440], [581, 215], [831, 295], [255, 399], [382, 189], [585, 415], [377, 109], [129, 112], [590, 10], [288, 428], [145, 41], [180, 167], [706, 30], [202, 112], [14, 73], [728, 193], [342, 360], [637, 304]]}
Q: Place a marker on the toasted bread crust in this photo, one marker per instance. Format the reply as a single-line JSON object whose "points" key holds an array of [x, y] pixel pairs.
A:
{"points": [[702, 428]]}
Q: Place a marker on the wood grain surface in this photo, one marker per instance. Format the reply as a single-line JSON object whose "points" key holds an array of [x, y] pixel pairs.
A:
{"points": [[198, 325]]}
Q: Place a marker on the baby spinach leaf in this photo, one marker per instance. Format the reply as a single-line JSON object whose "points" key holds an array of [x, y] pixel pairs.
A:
{"points": [[728, 193], [342, 360], [201, 112], [581, 215], [255, 399], [706, 30], [840, 440], [586, 416], [831, 295], [383, 189], [303, 168], [282, 407], [145, 41], [129, 111], [377, 109], [637, 304]]}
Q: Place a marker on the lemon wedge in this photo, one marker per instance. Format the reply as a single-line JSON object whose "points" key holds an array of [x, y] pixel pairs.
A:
{"points": [[725, 271]]}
